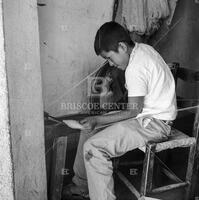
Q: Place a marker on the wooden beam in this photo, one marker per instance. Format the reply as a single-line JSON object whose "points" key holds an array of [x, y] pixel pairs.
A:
{"points": [[6, 163], [58, 168], [195, 178], [168, 187], [22, 55], [146, 181]]}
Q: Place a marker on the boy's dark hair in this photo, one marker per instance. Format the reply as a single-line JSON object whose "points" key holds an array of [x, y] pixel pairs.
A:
{"points": [[108, 37]]}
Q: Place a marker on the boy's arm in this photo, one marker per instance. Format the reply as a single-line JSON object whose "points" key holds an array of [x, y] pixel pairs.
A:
{"points": [[135, 106]]}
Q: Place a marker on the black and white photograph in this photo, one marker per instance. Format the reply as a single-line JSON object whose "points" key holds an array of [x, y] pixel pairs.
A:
{"points": [[99, 100]]}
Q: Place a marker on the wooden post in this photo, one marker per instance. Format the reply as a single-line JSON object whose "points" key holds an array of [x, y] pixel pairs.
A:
{"points": [[195, 179], [6, 165], [22, 56], [147, 170], [58, 168]]}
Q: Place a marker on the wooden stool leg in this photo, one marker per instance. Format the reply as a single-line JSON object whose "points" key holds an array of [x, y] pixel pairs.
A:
{"points": [[190, 172], [59, 156], [147, 173]]}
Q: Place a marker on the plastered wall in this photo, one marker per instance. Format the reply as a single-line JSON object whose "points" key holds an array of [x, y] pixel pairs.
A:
{"points": [[67, 31], [6, 167], [22, 58]]}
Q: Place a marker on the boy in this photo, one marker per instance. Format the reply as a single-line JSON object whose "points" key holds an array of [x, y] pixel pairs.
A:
{"points": [[151, 105]]}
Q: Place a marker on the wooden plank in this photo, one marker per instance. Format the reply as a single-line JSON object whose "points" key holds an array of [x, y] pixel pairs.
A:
{"points": [[58, 167], [6, 159], [168, 187], [196, 124], [147, 198], [147, 174], [182, 143], [190, 171], [23, 71], [151, 167], [195, 179]]}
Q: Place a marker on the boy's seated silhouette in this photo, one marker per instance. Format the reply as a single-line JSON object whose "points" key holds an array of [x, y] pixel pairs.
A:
{"points": [[151, 103]]}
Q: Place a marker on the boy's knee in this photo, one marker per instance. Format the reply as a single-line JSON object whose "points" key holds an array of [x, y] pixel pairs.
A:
{"points": [[91, 151], [87, 150]]}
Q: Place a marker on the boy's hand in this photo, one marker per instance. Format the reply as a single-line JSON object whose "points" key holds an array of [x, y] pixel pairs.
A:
{"points": [[89, 123]]}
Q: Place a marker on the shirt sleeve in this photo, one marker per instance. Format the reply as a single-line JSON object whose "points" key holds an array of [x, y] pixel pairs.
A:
{"points": [[136, 81]]}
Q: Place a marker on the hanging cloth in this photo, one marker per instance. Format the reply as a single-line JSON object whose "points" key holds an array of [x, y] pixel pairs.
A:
{"points": [[131, 14], [156, 10], [143, 16]]}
